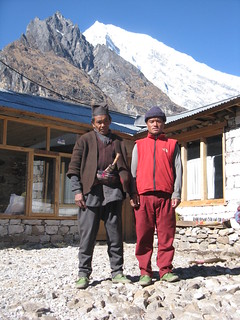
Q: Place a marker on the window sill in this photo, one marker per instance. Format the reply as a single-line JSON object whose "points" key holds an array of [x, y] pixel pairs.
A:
{"points": [[201, 203]]}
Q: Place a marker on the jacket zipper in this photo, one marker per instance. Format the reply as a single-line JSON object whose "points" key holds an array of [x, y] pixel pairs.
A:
{"points": [[154, 164]]}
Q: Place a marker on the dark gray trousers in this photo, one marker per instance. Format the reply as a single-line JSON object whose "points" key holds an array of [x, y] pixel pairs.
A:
{"points": [[88, 223]]}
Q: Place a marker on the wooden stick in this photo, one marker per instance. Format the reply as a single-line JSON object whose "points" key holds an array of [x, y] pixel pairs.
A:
{"points": [[111, 166], [116, 159], [210, 260]]}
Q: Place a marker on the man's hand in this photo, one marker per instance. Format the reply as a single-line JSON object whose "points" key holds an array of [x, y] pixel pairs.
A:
{"points": [[80, 201], [134, 201], [175, 202]]}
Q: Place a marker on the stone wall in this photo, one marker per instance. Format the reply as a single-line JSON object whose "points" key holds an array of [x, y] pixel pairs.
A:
{"points": [[18, 231], [205, 239]]}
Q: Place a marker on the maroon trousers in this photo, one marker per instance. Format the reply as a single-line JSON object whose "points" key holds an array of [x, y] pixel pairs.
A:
{"points": [[155, 211]]}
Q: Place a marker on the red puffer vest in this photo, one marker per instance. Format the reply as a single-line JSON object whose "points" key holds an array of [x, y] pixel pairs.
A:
{"points": [[155, 164]]}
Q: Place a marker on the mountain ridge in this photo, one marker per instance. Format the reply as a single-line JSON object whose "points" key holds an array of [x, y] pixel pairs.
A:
{"points": [[54, 54], [177, 74]]}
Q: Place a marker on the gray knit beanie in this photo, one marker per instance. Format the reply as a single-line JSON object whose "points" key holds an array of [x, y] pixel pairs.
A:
{"points": [[155, 112]]}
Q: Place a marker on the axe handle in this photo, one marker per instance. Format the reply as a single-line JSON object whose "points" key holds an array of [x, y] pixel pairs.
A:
{"points": [[110, 168], [116, 159]]}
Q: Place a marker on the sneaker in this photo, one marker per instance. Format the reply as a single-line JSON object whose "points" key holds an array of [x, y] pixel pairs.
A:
{"points": [[120, 278], [82, 283], [145, 280], [170, 277]]}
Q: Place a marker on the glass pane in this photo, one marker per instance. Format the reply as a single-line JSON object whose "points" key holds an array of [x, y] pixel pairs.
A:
{"points": [[194, 177], [214, 167], [67, 205], [1, 131], [13, 181], [25, 135], [193, 150], [43, 185], [61, 141]]}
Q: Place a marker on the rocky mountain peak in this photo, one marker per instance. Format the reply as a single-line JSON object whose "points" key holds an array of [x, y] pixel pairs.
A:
{"points": [[54, 59], [60, 35], [126, 85]]}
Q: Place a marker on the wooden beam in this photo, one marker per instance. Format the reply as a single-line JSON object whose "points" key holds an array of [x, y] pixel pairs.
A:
{"points": [[29, 184], [200, 203], [62, 181], [48, 137], [195, 134], [203, 159], [4, 131], [224, 162], [213, 224], [169, 128], [184, 164], [56, 185]]}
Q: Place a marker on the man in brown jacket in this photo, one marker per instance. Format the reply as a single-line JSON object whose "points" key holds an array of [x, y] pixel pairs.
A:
{"points": [[99, 193]]}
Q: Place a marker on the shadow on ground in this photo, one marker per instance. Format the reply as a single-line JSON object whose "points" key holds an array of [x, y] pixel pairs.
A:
{"points": [[205, 271]]}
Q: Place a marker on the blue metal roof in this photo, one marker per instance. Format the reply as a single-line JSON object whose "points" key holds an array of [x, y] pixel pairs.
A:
{"points": [[63, 110]]}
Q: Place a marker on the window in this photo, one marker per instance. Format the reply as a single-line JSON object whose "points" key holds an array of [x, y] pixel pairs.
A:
{"points": [[13, 181], [61, 141], [26, 135], [67, 205], [193, 171], [43, 185], [204, 179], [214, 167], [33, 167]]}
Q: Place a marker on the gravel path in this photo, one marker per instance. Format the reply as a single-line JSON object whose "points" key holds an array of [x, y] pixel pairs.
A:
{"points": [[39, 283]]}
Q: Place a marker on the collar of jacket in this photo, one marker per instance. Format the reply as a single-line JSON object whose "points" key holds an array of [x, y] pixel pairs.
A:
{"points": [[160, 136], [105, 139]]}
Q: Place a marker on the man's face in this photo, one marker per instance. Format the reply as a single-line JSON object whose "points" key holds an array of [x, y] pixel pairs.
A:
{"points": [[155, 125], [101, 124]]}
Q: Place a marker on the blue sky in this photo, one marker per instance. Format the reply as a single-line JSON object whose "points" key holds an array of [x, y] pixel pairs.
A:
{"points": [[208, 30]]}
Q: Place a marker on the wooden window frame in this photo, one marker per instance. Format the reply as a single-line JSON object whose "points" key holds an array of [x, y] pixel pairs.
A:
{"points": [[198, 135], [30, 157]]}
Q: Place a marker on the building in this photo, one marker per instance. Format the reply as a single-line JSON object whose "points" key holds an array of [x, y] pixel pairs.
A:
{"points": [[210, 149], [37, 136], [36, 140]]}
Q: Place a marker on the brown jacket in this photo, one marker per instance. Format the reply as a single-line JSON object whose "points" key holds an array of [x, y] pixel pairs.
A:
{"points": [[84, 161]]}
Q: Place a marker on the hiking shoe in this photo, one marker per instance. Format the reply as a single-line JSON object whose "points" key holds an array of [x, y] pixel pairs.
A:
{"points": [[82, 283], [145, 280], [170, 277], [120, 278]]}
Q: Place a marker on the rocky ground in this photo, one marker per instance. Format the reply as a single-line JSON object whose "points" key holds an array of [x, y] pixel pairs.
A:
{"points": [[38, 282]]}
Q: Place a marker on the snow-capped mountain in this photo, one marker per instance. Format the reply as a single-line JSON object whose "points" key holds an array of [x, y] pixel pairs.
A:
{"points": [[54, 59], [188, 83]]}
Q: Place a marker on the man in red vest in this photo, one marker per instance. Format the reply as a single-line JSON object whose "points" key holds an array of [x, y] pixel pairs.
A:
{"points": [[157, 169]]}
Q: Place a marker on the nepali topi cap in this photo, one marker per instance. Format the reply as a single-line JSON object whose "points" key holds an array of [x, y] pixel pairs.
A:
{"points": [[100, 109]]}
